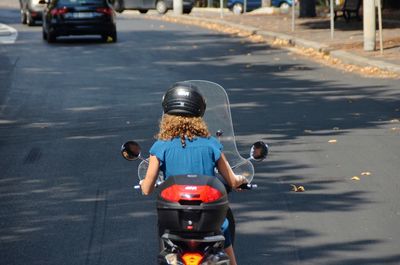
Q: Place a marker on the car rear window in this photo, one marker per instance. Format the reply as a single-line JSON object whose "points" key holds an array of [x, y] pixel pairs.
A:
{"points": [[80, 2]]}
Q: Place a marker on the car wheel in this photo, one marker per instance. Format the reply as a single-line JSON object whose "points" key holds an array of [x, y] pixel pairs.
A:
{"points": [[114, 36], [284, 5], [161, 7], [143, 11], [187, 10], [23, 16], [118, 6], [51, 37], [44, 35], [29, 19], [237, 9]]}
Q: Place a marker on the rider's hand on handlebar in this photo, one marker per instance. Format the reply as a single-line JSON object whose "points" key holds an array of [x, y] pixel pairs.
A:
{"points": [[240, 180]]}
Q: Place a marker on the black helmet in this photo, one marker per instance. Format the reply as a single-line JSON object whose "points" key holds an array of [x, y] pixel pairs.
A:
{"points": [[184, 99]]}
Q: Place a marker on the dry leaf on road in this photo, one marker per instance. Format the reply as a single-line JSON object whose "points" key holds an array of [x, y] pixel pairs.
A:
{"points": [[355, 178], [297, 188], [300, 189], [332, 141]]}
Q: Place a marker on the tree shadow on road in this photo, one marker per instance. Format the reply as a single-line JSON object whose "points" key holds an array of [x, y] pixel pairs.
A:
{"points": [[74, 201]]}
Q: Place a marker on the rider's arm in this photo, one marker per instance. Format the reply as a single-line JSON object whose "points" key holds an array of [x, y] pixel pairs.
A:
{"points": [[226, 171], [147, 184]]}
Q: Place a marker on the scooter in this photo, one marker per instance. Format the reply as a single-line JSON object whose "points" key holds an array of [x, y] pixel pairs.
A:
{"points": [[192, 208]]}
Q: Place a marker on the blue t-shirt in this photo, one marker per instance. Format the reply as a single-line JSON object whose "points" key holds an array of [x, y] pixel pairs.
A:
{"points": [[198, 157]]}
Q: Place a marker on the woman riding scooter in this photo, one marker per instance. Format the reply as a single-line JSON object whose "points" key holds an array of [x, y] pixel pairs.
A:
{"points": [[184, 146]]}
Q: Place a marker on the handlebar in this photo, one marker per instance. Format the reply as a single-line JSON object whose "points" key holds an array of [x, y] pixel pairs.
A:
{"points": [[244, 186], [248, 186], [137, 187]]}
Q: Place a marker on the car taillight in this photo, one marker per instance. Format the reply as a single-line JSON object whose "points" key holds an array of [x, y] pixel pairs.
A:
{"points": [[59, 11], [105, 10], [177, 193], [192, 258]]}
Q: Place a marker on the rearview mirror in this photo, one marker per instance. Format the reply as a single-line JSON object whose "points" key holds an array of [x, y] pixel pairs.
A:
{"points": [[259, 151], [130, 150]]}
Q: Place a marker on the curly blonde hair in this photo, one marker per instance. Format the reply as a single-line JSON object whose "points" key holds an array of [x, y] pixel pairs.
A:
{"points": [[172, 126]]}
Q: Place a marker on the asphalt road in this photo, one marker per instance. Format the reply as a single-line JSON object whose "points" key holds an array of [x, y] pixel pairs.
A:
{"points": [[65, 192]]}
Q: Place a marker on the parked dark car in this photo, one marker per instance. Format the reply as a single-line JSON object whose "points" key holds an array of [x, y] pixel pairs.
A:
{"points": [[79, 17], [237, 5], [162, 6], [31, 11]]}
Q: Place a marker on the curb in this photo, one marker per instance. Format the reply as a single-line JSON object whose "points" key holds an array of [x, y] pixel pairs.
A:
{"points": [[343, 56], [350, 58]]}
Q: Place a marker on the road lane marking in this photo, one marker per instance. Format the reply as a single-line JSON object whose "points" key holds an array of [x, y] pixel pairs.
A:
{"points": [[8, 35]]}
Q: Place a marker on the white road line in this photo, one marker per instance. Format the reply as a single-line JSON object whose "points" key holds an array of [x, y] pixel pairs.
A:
{"points": [[8, 35]]}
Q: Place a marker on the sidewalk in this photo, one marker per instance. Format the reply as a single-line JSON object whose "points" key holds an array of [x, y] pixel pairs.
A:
{"points": [[313, 34]]}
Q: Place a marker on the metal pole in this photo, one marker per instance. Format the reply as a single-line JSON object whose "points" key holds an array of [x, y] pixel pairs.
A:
{"points": [[221, 4], [380, 26], [244, 6], [369, 25], [293, 15], [178, 7], [332, 19]]}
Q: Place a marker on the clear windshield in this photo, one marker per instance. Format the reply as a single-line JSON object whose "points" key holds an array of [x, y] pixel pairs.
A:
{"points": [[218, 119]]}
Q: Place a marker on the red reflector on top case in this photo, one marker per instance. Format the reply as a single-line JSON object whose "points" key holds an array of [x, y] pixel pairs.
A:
{"points": [[206, 194]]}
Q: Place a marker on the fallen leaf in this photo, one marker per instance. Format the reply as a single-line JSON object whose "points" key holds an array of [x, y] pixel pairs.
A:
{"points": [[297, 188], [300, 189], [333, 141], [355, 178], [395, 121], [366, 173]]}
